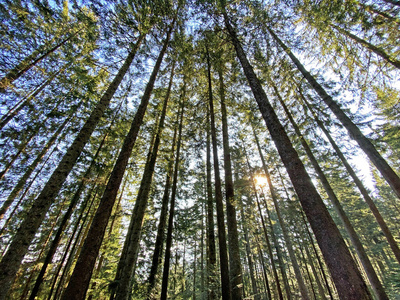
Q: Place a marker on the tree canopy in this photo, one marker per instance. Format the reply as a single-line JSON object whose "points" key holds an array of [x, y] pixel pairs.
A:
{"points": [[199, 149]]}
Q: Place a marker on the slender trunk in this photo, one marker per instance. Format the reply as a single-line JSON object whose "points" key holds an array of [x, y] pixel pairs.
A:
{"points": [[317, 255], [249, 255], [223, 255], [211, 251], [314, 270], [235, 266], [42, 245], [289, 245], [168, 242], [266, 281], [202, 286], [73, 241], [21, 148], [109, 234], [19, 246], [377, 50], [26, 100], [278, 250], [162, 222], [305, 262], [268, 242], [76, 251], [64, 221], [365, 144], [125, 270], [385, 229], [82, 273], [22, 198], [24, 178], [394, 2], [369, 269], [347, 277], [194, 271], [372, 9], [28, 63]]}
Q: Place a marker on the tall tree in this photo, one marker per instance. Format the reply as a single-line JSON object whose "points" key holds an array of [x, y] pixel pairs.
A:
{"points": [[235, 267], [168, 241], [26, 232], [365, 144], [335, 251], [126, 265], [80, 278], [223, 255]]}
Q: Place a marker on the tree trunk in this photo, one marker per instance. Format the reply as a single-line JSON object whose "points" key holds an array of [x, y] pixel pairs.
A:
{"points": [[66, 218], [269, 248], [19, 246], [168, 242], [365, 144], [347, 277], [162, 222], [30, 61], [378, 51], [385, 229], [235, 266], [278, 251], [211, 251], [126, 265], [321, 291], [82, 273], [394, 2], [26, 100], [261, 257], [289, 245], [249, 256], [223, 255], [21, 148], [109, 234], [24, 178], [355, 240], [83, 215], [321, 267]]}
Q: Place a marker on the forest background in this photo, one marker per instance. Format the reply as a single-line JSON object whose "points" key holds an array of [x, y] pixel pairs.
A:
{"points": [[199, 149]]}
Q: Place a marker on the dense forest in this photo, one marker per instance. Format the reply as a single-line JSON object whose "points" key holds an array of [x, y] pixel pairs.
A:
{"points": [[196, 149]]}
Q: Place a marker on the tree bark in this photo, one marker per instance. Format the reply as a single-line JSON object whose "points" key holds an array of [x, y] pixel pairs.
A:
{"points": [[211, 252], [223, 255], [235, 266], [347, 277], [168, 242], [19, 246]]}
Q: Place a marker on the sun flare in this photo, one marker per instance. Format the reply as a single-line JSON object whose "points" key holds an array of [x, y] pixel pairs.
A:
{"points": [[261, 180]]}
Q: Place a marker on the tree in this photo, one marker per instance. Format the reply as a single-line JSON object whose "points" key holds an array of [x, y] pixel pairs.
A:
{"points": [[308, 195], [89, 103]]}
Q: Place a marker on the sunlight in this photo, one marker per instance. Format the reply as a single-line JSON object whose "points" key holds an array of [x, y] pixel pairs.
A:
{"points": [[261, 180]]}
